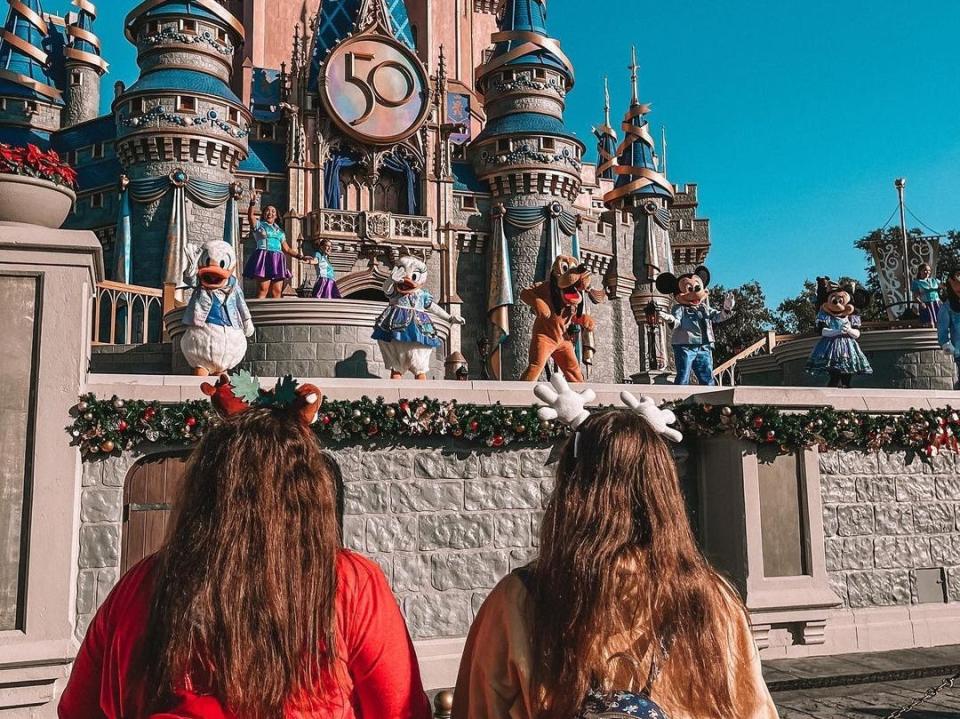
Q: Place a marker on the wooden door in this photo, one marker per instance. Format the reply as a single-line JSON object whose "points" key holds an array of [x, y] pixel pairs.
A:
{"points": [[149, 497]]}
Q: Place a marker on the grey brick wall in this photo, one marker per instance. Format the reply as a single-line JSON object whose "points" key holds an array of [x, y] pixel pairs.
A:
{"points": [[884, 520]]}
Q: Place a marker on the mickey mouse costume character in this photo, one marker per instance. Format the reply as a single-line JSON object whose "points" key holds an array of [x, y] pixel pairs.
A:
{"points": [[404, 331], [692, 320], [838, 353], [948, 321], [558, 303]]}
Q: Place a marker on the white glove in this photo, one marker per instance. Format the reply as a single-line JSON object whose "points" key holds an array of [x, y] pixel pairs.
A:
{"points": [[948, 348], [851, 332], [563, 404], [667, 317], [659, 419], [458, 320], [729, 302], [398, 274], [248, 328]]}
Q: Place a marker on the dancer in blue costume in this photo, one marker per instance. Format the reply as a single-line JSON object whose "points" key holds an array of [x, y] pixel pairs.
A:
{"points": [[267, 264], [926, 291], [838, 353], [948, 323], [325, 287]]}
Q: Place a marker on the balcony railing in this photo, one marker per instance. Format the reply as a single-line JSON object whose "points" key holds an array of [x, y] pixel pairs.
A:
{"points": [[726, 374], [127, 314], [370, 226]]}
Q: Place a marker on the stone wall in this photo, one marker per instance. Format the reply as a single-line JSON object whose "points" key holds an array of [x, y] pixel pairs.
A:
{"points": [[884, 520]]}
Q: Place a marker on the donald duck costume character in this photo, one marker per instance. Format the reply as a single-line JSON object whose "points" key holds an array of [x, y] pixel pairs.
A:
{"points": [[217, 318], [404, 331]]}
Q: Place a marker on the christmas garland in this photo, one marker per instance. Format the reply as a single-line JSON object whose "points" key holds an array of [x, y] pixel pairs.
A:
{"points": [[102, 428]]}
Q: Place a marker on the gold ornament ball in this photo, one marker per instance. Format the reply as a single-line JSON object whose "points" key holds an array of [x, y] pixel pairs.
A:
{"points": [[391, 412], [83, 406], [726, 411], [545, 424], [88, 416], [357, 414], [519, 429], [118, 403], [107, 446]]}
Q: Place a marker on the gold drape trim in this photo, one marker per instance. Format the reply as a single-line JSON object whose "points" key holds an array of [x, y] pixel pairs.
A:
{"points": [[24, 47], [86, 6], [87, 57], [647, 177], [81, 34], [36, 20], [208, 5], [532, 42], [29, 82]]}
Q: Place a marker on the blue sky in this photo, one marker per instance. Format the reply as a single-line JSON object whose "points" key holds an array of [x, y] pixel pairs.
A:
{"points": [[793, 118]]}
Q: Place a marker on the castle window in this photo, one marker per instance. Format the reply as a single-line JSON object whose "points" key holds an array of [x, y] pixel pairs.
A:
{"points": [[186, 104], [260, 183], [234, 115], [153, 28], [267, 132], [469, 202], [96, 200], [548, 143], [96, 151], [222, 36], [540, 74], [76, 79], [136, 106], [459, 152], [415, 34], [503, 145], [189, 27]]}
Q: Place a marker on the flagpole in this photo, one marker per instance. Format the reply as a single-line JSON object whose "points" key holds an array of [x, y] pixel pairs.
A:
{"points": [[900, 183]]}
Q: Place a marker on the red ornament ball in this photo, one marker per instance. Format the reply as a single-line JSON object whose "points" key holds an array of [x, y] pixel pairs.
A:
{"points": [[758, 422], [325, 419], [373, 430], [404, 406], [191, 421], [497, 440], [149, 413], [771, 436], [474, 425], [122, 425]]}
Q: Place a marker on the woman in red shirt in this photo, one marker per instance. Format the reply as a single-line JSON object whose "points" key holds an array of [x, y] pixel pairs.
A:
{"points": [[252, 610]]}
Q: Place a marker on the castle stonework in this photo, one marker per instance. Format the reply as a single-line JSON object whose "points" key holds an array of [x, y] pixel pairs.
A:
{"points": [[381, 126]]}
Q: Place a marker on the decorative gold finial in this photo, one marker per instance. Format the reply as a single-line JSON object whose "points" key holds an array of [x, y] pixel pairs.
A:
{"points": [[634, 68]]}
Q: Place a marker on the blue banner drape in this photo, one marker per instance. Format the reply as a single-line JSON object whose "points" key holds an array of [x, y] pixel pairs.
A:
{"points": [[403, 166], [331, 178]]}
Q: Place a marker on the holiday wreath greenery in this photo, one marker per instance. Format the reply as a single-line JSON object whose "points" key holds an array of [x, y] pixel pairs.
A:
{"points": [[103, 427]]}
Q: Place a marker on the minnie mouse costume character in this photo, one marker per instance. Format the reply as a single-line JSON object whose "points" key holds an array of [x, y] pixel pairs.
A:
{"points": [[692, 320], [838, 353], [948, 322]]}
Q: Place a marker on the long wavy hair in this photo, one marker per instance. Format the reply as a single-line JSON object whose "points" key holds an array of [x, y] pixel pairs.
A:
{"points": [[618, 558], [245, 585]]}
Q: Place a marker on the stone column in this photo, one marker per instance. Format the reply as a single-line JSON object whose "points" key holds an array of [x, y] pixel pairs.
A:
{"points": [[48, 278]]}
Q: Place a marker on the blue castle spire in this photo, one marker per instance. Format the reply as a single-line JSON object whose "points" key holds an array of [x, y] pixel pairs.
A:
{"points": [[24, 62], [519, 18], [606, 141], [638, 172], [85, 40]]}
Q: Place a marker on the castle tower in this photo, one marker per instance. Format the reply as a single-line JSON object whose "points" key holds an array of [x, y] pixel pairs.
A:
{"points": [[606, 141], [180, 120], [644, 192], [84, 67], [31, 103], [525, 153]]}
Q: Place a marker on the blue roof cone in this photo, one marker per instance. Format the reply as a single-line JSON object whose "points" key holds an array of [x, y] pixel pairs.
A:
{"points": [[514, 45], [24, 62], [84, 44]]}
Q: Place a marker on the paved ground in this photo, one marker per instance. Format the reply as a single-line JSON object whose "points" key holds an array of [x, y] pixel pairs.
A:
{"points": [[865, 686]]}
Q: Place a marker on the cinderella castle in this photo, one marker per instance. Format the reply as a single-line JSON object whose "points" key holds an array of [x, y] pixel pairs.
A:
{"points": [[385, 126]]}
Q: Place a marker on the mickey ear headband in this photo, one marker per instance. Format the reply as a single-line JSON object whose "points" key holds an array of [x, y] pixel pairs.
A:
{"points": [[233, 394], [568, 407]]}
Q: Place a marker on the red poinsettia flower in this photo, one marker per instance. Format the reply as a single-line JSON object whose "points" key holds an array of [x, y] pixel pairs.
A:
{"points": [[33, 161], [34, 155]]}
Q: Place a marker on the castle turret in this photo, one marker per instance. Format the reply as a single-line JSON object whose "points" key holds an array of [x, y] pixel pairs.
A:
{"points": [[181, 120], [527, 156], [644, 192], [606, 141], [30, 102], [84, 67]]}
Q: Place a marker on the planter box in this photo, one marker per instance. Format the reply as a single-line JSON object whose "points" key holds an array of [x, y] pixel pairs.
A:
{"points": [[34, 201]]}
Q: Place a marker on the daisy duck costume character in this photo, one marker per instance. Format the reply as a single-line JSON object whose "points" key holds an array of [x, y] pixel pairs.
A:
{"points": [[692, 320], [404, 330], [838, 353], [948, 322], [217, 319]]}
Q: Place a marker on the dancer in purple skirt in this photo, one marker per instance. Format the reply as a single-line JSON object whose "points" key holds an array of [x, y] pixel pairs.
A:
{"points": [[267, 264], [326, 286]]}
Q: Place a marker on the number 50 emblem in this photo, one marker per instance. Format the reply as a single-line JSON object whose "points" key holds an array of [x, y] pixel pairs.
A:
{"points": [[375, 89]]}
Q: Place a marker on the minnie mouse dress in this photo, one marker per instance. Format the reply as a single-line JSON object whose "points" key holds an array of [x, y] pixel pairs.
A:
{"points": [[839, 355]]}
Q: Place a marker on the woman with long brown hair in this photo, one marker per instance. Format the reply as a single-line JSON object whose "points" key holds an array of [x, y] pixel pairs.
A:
{"points": [[620, 602], [251, 609]]}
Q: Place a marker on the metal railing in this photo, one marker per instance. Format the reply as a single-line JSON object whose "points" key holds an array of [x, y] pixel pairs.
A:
{"points": [[374, 226], [127, 314], [726, 374]]}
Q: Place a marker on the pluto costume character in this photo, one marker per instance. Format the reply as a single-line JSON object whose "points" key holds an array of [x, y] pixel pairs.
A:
{"points": [[692, 320], [558, 304], [217, 318], [404, 331]]}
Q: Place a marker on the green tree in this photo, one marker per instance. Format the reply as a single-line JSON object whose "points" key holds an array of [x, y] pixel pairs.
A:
{"points": [[749, 324]]}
